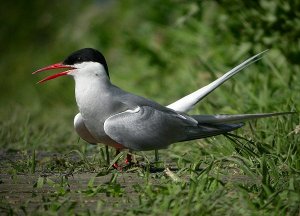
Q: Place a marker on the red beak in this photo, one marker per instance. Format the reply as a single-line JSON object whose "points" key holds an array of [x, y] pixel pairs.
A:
{"points": [[52, 67]]}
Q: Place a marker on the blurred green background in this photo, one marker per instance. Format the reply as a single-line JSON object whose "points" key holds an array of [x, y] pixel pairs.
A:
{"points": [[162, 50]]}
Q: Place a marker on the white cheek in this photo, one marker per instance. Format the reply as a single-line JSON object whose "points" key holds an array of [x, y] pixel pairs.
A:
{"points": [[89, 69]]}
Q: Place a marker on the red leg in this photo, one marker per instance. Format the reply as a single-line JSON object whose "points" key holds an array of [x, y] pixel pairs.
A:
{"points": [[116, 165], [128, 159]]}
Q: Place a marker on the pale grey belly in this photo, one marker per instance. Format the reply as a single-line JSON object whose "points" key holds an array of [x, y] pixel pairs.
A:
{"points": [[94, 122]]}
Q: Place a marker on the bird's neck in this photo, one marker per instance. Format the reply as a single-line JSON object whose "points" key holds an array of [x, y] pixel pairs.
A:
{"points": [[90, 91], [93, 97]]}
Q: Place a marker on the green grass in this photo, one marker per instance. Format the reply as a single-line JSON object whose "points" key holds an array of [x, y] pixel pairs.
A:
{"points": [[253, 175], [163, 56]]}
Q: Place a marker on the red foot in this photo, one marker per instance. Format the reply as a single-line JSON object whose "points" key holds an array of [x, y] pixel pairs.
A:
{"points": [[117, 167], [127, 162], [128, 159]]}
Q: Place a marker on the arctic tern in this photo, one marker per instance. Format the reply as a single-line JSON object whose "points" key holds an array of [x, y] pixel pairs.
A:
{"points": [[114, 117]]}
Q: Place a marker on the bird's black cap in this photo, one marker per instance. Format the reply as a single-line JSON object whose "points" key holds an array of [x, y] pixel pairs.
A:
{"points": [[86, 55]]}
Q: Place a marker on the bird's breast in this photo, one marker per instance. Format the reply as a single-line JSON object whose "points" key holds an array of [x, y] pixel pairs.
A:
{"points": [[95, 106]]}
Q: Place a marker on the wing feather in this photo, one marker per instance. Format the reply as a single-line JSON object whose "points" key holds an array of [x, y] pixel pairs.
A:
{"points": [[146, 128]]}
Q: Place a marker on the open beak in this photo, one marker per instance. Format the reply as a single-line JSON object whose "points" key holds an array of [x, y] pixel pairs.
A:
{"points": [[52, 67]]}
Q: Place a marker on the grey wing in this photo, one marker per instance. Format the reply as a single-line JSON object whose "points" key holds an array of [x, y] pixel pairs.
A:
{"points": [[146, 128], [82, 131]]}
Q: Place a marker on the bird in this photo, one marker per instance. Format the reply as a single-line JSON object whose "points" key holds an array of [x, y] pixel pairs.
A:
{"points": [[117, 118]]}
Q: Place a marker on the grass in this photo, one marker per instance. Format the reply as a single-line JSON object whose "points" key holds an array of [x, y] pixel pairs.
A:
{"points": [[47, 170], [252, 172]]}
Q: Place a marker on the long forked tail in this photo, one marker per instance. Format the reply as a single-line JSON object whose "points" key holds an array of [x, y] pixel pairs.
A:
{"points": [[188, 102], [224, 119], [208, 130], [212, 125]]}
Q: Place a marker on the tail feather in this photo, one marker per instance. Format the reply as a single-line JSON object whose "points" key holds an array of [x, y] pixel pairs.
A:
{"points": [[212, 125], [221, 119], [188, 102], [209, 130]]}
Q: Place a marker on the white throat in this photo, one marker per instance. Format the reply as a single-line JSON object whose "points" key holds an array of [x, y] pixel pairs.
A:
{"points": [[91, 83]]}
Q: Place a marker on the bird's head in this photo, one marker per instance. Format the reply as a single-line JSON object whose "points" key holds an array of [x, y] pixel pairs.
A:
{"points": [[83, 62]]}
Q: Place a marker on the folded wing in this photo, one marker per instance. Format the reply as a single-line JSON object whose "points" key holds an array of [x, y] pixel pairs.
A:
{"points": [[145, 128]]}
